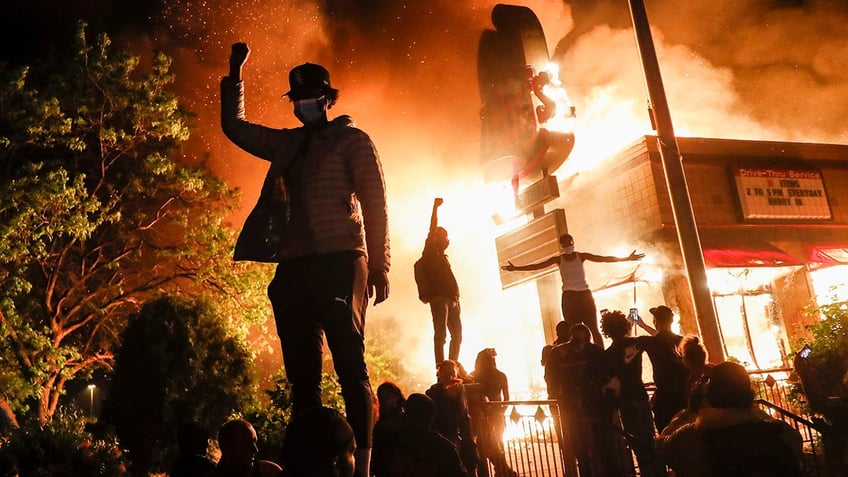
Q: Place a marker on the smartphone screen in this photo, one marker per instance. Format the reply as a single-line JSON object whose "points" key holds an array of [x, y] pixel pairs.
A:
{"points": [[805, 351], [634, 315]]}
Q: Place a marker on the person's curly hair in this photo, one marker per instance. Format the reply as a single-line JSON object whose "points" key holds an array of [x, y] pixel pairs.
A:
{"points": [[614, 324]]}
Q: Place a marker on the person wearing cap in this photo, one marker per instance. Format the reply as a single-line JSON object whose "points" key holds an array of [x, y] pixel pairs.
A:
{"points": [[578, 304], [670, 372], [321, 217]]}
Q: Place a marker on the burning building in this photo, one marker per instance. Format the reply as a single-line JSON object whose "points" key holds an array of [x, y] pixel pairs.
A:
{"points": [[768, 218], [772, 219]]}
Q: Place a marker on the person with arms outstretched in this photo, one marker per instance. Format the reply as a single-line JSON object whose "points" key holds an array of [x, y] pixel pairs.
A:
{"points": [[578, 304], [437, 286], [321, 217]]}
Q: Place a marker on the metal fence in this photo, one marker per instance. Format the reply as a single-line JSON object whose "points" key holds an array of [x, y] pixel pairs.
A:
{"points": [[780, 395], [524, 438]]}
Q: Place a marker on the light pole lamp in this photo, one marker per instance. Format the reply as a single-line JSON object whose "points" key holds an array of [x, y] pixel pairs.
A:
{"points": [[91, 401]]}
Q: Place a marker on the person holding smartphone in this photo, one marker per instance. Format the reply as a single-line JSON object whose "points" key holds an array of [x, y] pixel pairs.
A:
{"points": [[578, 304], [670, 373]]}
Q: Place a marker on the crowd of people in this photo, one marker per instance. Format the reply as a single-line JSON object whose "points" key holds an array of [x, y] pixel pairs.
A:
{"points": [[441, 432], [700, 421], [322, 218]]}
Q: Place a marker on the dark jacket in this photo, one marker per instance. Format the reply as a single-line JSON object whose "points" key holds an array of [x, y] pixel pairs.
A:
{"points": [[730, 442]]}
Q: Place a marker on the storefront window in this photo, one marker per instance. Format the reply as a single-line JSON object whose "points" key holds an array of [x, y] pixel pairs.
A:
{"points": [[749, 321], [829, 284]]}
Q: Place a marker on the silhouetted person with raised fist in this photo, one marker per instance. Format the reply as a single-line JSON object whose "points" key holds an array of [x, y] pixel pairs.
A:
{"points": [[437, 286], [321, 217]]}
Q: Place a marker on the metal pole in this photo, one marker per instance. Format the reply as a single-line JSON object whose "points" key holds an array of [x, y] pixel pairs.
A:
{"points": [[678, 191]]}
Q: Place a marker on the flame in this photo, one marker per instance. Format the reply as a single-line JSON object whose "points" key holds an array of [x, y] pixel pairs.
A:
{"points": [[564, 116]]}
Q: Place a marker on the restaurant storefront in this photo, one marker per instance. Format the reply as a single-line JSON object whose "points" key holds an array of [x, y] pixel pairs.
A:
{"points": [[773, 224]]}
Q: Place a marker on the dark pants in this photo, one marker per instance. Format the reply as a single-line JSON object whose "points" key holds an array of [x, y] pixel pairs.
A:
{"points": [[636, 420], [317, 296], [446, 318], [578, 306], [667, 403]]}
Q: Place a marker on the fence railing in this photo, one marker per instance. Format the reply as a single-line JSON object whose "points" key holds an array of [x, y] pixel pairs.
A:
{"points": [[823, 448], [525, 438]]}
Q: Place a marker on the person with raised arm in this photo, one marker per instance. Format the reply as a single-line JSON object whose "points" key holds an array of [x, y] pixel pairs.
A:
{"points": [[322, 218], [578, 304], [437, 287]]}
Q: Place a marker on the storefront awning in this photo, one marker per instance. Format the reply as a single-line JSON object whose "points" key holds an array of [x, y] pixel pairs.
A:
{"points": [[759, 255], [828, 254]]}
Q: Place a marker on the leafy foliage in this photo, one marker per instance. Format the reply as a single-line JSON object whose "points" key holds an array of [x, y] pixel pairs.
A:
{"points": [[177, 364], [95, 218], [829, 359], [63, 448]]}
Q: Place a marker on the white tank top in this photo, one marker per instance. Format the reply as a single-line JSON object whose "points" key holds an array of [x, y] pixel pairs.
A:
{"points": [[572, 273]]}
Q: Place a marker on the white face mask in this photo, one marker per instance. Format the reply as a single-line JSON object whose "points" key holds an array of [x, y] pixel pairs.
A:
{"points": [[309, 110], [568, 249]]}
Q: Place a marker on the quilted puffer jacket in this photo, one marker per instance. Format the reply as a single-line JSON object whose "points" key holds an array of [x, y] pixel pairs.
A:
{"points": [[343, 187]]}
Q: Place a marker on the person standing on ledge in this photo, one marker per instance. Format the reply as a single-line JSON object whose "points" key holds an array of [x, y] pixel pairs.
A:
{"points": [[322, 218], [578, 304], [437, 286]]}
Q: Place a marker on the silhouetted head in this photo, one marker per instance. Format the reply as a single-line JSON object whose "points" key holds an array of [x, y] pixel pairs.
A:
{"points": [[562, 330], [566, 242], [485, 360], [730, 387], [693, 352], [311, 93], [319, 442], [238, 443], [420, 410], [447, 370], [580, 334], [390, 397], [663, 316], [615, 325]]}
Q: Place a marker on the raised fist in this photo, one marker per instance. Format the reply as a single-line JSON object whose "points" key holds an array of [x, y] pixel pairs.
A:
{"points": [[239, 54]]}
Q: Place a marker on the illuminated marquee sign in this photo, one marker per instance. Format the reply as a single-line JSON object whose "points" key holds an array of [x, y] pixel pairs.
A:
{"points": [[781, 194]]}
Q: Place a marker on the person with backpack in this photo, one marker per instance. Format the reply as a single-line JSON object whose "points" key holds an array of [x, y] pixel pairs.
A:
{"points": [[437, 287]]}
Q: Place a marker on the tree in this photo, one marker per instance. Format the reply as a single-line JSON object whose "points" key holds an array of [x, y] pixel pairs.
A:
{"points": [[64, 448], [96, 217], [829, 341], [177, 363]]}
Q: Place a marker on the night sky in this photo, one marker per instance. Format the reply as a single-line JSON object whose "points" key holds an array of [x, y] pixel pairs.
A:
{"points": [[744, 69]]}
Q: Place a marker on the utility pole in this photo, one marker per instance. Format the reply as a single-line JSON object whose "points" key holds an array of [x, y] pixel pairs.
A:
{"points": [[678, 190]]}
